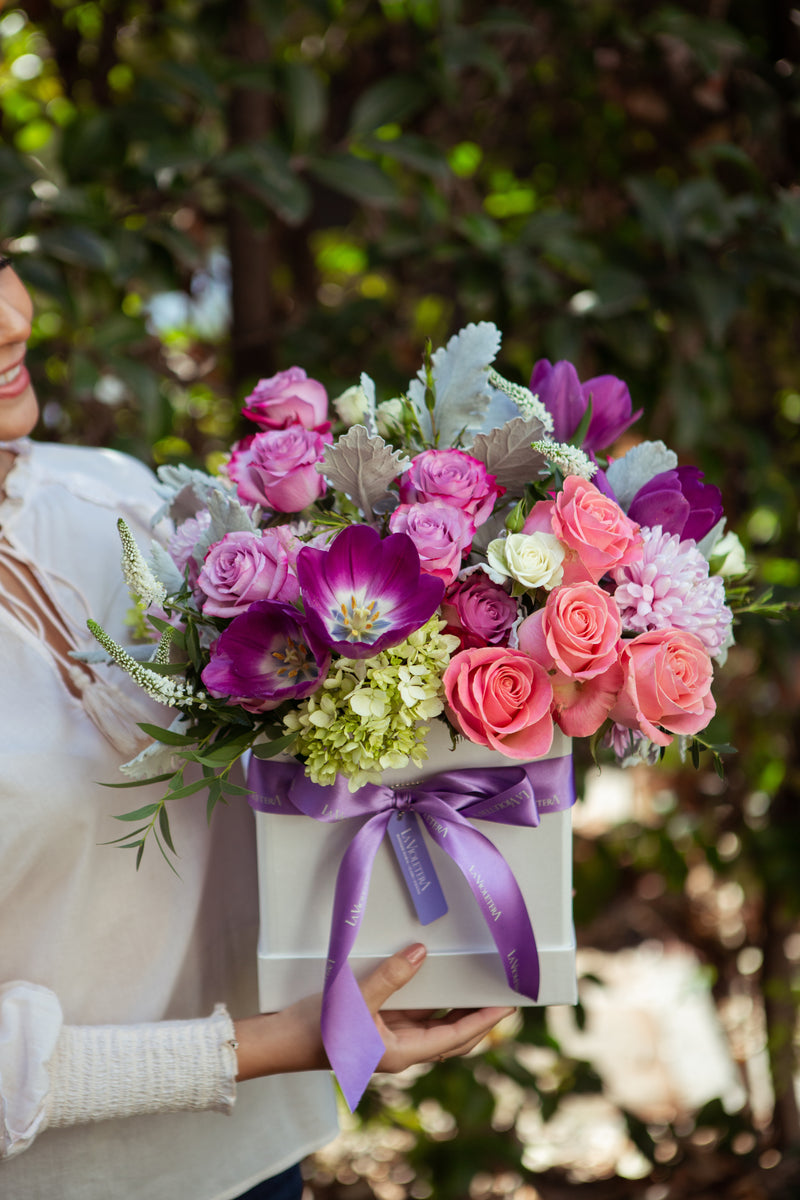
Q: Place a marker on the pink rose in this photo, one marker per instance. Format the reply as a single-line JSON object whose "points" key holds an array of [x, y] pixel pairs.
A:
{"points": [[454, 477], [440, 533], [277, 468], [595, 529], [577, 631], [183, 541], [668, 676], [479, 612], [288, 398], [500, 698], [244, 567]]}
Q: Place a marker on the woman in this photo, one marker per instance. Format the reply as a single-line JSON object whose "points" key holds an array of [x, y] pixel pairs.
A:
{"points": [[107, 974]]}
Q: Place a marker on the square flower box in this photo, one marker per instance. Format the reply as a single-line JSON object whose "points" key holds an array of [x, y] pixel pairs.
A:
{"points": [[299, 858]]}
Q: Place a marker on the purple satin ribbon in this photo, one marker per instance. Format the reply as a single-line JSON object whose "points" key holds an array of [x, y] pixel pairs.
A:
{"points": [[446, 803]]}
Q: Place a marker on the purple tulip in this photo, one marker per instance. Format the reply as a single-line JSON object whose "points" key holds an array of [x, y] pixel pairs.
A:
{"points": [[678, 502], [265, 656], [366, 593], [566, 399]]}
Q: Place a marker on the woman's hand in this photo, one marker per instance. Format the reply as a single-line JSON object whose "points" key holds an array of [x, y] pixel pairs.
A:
{"points": [[276, 1043]]}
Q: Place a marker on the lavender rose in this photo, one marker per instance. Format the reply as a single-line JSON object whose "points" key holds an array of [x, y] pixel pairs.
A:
{"points": [[478, 611], [244, 567], [288, 398], [440, 533], [455, 478], [277, 468]]}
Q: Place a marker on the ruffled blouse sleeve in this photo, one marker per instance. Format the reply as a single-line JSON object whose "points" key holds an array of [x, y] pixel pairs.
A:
{"points": [[30, 1024]]}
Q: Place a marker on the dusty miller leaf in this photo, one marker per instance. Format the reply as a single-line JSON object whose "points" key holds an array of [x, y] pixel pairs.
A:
{"points": [[370, 417], [506, 452], [164, 569], [362, 467], [636, 468], [460, 377], [227, 516], [184, 491]]}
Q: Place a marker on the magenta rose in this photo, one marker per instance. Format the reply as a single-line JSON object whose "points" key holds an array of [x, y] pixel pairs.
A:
{"points": [[595, 530], [288, 398], [500, 698], [277, 468], [478, 611], [440, 533], [577, 631], [454, 477], [244, 567], [667, 683]]}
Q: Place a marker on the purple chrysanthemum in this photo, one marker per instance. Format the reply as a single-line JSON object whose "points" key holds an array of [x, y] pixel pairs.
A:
{"points": [[669, 586], [366, 593], [630, 746]]}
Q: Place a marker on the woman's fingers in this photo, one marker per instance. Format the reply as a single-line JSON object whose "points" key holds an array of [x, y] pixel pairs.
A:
{"points": [[392, 974]]}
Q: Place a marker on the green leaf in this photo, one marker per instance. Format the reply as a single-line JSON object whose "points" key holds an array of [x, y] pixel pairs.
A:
{"points": [[270, 749], [167, 736], [393, 99], [163, 824], [264, 170], [307, 102], [139, 814], [132, 783], [188, 789], [355, 177]]}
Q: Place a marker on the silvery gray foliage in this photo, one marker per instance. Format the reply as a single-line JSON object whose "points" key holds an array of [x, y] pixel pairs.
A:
{"points": [[164, 569], [228, 515], [507, 453], [636, 468], [362, 467], [370, 414], [184, 490], [460, 376]]}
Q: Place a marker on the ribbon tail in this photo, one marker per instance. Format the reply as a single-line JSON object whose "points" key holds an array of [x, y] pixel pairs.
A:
{"points": [[496, 890], [349, 1035]]}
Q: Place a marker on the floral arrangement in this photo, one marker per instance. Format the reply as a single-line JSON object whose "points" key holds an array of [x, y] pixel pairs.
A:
{"points": [[461, 553]]}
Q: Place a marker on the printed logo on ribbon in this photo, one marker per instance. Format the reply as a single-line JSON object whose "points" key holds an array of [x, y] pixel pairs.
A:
{"points": [[418, 870]]}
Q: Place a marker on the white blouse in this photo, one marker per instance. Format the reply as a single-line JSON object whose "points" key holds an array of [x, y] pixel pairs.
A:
{"points": [[86, 940]]}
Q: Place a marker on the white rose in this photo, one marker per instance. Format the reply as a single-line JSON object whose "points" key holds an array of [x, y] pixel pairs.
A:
{"points": [[532, 560], [352, 405]]}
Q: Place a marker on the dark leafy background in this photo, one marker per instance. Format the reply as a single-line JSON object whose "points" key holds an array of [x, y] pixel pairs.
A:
{"points": [[611, 182]]}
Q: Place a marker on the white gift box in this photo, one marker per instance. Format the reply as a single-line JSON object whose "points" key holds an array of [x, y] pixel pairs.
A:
{"points": [[298, 860]]}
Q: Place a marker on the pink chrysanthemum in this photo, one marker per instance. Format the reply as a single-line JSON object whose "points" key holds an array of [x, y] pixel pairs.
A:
{"points": [[670, 586]]}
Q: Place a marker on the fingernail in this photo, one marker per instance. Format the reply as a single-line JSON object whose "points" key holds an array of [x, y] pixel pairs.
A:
{"points": [[415, 954]]}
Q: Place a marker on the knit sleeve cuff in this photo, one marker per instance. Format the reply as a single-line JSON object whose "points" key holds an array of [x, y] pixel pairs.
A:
{"points": [[102, 1071]]}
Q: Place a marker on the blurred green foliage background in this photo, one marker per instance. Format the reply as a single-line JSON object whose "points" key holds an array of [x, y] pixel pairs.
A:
{"points": [[202, 192]]}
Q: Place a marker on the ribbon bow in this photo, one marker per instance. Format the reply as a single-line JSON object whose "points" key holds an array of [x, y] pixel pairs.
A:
{"points": [[446, 803]]}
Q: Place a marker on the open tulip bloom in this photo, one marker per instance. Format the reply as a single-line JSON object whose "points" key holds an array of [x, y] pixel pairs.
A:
{"points": [[453, 555]]}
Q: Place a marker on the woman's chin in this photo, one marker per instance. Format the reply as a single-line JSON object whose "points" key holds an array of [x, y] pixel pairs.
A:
{"points": [[18, 415]]}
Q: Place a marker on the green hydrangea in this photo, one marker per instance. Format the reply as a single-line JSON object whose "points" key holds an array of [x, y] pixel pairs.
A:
{"points": [[371, 715]]}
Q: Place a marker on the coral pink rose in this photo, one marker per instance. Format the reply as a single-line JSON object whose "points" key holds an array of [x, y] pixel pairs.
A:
{"points": [[454, 477], [244, 567], [668, 676], [288, 398], [440, 533], [595, 529], [500, 698], [277, 468], [577, 631]]}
